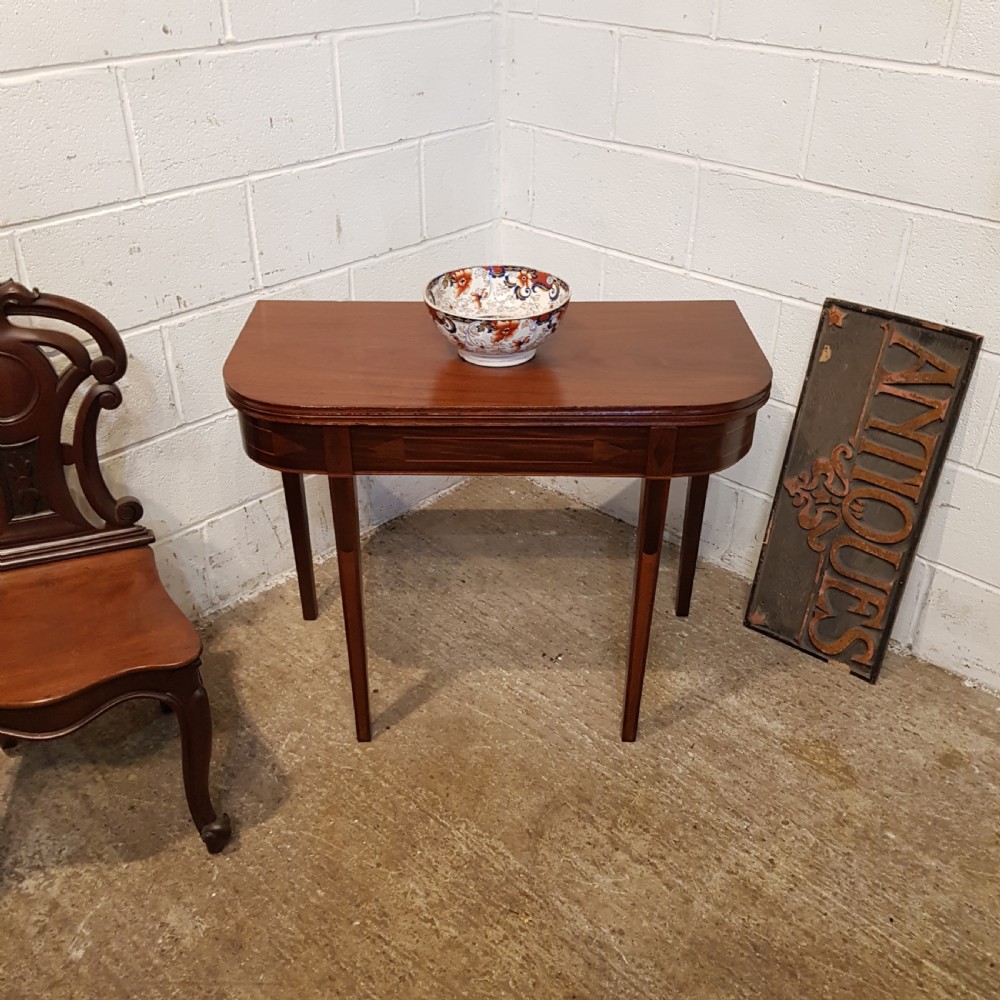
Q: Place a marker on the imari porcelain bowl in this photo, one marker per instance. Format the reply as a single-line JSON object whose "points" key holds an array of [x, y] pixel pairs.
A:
{"points": [[497, 316]]}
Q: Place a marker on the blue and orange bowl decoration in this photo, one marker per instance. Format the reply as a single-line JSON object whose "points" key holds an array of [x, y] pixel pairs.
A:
{"points": [[497, 316]]}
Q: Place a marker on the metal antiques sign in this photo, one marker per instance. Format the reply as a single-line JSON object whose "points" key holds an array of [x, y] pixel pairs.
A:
{"points": [[879, 404]]}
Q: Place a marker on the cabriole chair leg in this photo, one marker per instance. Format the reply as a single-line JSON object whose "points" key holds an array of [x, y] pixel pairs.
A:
{"points": [[195, 720]]}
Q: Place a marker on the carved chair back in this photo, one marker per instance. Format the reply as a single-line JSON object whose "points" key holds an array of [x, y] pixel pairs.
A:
{"points": [[45, 372]]}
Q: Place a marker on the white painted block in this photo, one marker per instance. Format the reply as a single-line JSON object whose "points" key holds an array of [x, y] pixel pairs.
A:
{"points": [[973, 425], [976, 43], [516, 168], [928, 140], [148, 407], [453, 8], [149, 261], [66, 146], [618, 498], [749, 527], [632, 201], [87, 30], [792, 349], [960, 628], [399, 84], [761, 466], [334, 286], [176, 491], [990, 462], [631, 280], [691, 16], [318, 219], [275, 18], [320, 514], [577, 265], [950, 275], [719, 528], [182, 561], [207, 117], [561, 76], [460, 187], [8, 262], [800, 242], [402, 277], [911, 604], [247, 548], [199, 347], [384, 497], [909, 30], [957, 534], [741, 107]]}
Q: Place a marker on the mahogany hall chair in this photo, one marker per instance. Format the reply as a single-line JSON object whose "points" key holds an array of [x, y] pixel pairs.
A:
{"points": [[85, 622]]}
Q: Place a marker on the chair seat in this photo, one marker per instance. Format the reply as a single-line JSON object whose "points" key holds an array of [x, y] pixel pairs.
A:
{"points": [[66, 626]]}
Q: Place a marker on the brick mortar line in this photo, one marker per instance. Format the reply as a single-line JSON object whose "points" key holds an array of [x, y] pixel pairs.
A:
{"points": [[949, 35], [338, 96], [130, 135], [810, 123], [755, 173], [422, 187], [258, 276], [897, 278], [168, 356], [693, 224], [227, 20], [736, 44], [95, 211]]}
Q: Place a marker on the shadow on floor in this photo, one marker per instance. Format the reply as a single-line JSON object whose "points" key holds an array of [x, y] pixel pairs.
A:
{"points": [[119, 785]]}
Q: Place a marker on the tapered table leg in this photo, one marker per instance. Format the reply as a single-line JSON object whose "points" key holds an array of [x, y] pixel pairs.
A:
{"points": [[344, 497], [694, 513], [298, 519], [652, 516]]}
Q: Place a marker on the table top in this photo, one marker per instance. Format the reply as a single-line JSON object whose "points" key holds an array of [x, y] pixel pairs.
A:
{"points": [[617, 362]]}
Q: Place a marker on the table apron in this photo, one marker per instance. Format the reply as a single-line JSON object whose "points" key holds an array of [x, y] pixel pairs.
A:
{"points": [[466, 449]]}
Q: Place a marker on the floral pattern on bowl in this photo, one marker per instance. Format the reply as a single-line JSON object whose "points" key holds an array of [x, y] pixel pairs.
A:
{"points": [[498, 315]]}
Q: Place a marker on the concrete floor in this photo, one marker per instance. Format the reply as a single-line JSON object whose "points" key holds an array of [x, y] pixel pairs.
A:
{"points": [[779, 830]]}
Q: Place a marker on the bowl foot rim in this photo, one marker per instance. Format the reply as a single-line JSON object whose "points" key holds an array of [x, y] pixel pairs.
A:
{"points": [[496, 360]]}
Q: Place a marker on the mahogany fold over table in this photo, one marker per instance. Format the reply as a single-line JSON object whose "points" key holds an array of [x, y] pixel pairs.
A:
{"points": [[654, 390]]}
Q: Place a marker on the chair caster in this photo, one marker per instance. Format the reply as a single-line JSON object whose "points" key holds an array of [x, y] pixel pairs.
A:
{"points": [[217, 833]]}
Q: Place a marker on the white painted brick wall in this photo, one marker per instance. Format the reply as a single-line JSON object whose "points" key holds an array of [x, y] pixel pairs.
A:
{"points": [[777, 152], [39, 33], [405, 82], [91, 164], [613, 196], [753, 113], [207, 117], [927, 140], [907, 30], [321, 218], [678, 15], [976, 43], [275, 18], [550, 65], [171, 162]]}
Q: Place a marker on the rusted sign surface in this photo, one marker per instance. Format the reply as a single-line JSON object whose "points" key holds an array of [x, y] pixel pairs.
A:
{"points": [[878, 408]]}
